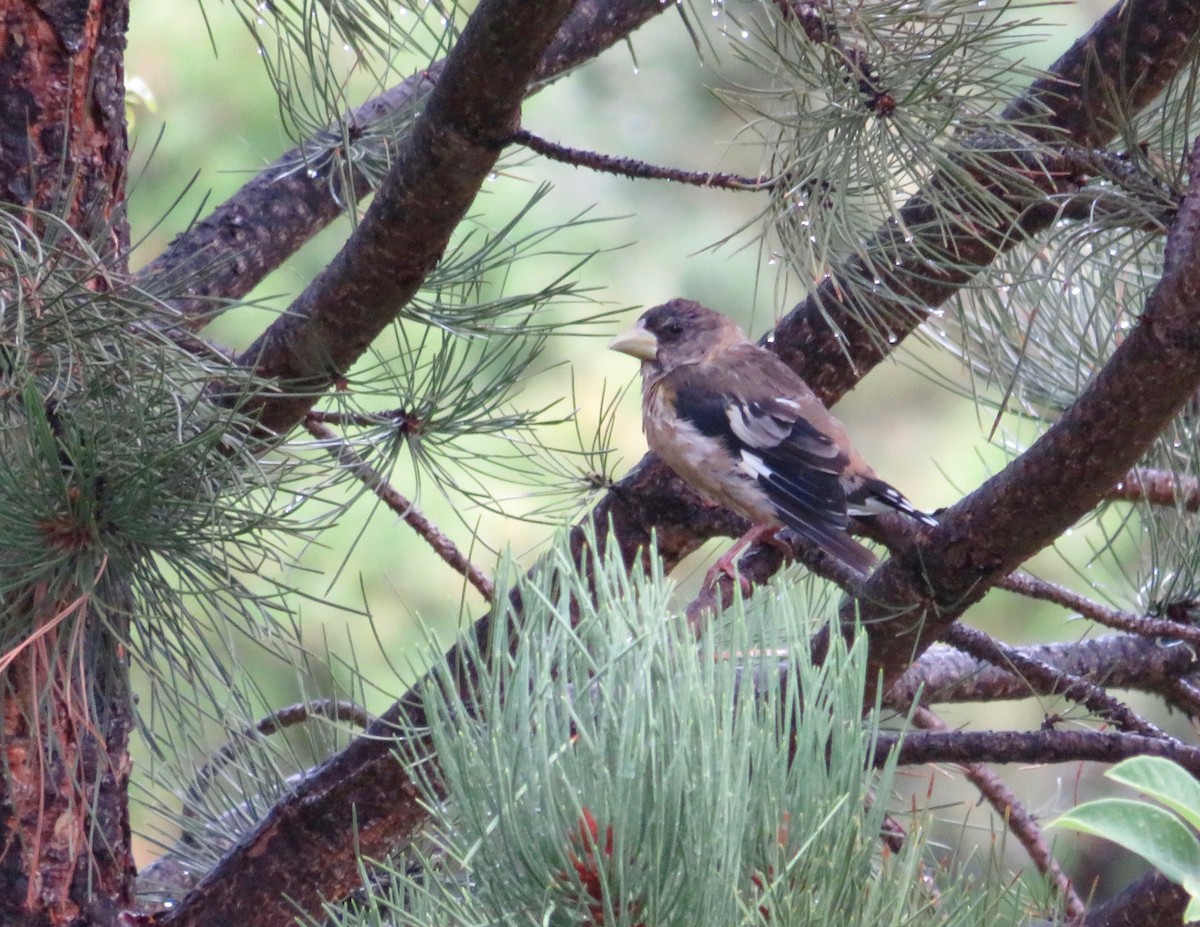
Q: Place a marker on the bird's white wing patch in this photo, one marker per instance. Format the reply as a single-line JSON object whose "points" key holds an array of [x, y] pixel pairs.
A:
{"points": [[756, 428], [754, 465]]}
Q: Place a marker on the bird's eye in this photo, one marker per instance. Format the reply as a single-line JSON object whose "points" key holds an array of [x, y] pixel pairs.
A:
{"points": [[674, 327]]}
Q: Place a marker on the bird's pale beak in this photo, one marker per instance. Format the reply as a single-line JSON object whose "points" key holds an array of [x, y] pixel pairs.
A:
{"points": [[636, 342]]}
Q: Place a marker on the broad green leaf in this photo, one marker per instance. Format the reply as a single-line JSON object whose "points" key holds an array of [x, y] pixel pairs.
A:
{"points": [[1164, 781], [1151, 832]]}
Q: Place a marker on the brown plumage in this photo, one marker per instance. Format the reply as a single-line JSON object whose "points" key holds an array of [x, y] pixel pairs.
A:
{"points": [[740, 426]]}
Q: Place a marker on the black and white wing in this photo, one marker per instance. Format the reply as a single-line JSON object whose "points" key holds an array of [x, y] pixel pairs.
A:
{"points": [[797, 467]]}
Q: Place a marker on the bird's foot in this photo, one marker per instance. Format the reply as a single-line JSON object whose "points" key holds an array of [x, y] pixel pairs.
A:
{"points": [[726, 565]]}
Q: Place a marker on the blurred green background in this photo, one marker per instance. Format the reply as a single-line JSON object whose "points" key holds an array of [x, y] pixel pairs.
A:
{"points": [[215, 117]]}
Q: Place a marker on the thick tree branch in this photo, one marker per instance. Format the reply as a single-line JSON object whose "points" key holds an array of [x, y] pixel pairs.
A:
{"points": [[439, 168], [911, 600], [229, 252], [1120, 661]]}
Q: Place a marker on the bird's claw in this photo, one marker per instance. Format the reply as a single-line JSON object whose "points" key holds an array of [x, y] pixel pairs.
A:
{"points": [[726, 566]]}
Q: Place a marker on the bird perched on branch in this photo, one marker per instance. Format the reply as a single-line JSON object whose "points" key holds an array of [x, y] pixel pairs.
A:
{"points": [[737, 424]]}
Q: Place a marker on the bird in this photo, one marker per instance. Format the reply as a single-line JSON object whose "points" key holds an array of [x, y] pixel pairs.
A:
{"points": [[741, 427]]}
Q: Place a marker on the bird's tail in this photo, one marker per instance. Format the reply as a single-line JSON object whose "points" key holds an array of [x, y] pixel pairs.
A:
{"points": [[874, 495], [837, 543]]}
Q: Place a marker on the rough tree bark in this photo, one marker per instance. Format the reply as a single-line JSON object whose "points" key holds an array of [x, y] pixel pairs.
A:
{"points": [[65, 853]]}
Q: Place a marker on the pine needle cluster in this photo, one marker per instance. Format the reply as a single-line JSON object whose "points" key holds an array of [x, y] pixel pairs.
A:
{"points": [[134, 504], [610, 770]]}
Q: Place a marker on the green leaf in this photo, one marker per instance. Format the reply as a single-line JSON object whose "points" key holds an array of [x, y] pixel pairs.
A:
{"points": [[1163, 781], [1151, 832]]}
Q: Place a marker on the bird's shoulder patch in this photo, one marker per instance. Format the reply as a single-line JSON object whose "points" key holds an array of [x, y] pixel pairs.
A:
{"points": [[699, 402]]}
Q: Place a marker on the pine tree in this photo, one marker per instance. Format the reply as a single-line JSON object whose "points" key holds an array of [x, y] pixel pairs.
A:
{"points": [[595, 749]]}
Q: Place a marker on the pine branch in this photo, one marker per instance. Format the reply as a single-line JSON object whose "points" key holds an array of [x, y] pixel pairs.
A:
{"points": [[1016, 817], [437, 173], [1058, 480], [271, 216], [296, 858], [1049, 679], [824, 337], [348, 458], [1047, 746], [1119, 661], [231, 250]]}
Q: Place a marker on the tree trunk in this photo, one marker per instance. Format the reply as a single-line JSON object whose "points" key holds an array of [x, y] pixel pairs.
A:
{"points": [[65, 714]]}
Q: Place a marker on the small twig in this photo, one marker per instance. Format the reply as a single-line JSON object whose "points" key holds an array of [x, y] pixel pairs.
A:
{"points": [[634, 169], [1043, 746], [1034, 588], [1016, 816], [1184, 696], [349, 458], [334, 709], [397, 418], [1049, 679], [1159, 487]]}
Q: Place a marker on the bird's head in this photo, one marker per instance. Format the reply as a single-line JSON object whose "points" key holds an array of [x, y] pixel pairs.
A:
{"points": [[675, 333]]}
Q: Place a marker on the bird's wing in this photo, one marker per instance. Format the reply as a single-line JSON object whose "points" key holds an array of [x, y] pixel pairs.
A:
{"points": [[795, 464], [800, 470]]}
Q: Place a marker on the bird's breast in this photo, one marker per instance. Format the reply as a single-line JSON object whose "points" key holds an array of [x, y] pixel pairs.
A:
{"points": [[701, 460]]}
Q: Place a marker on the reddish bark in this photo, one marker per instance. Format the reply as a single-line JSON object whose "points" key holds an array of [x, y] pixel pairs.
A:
{"points": [[65, 852]]}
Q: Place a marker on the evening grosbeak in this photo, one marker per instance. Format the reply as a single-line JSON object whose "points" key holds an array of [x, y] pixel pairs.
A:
{"points": [[737, 424]]}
